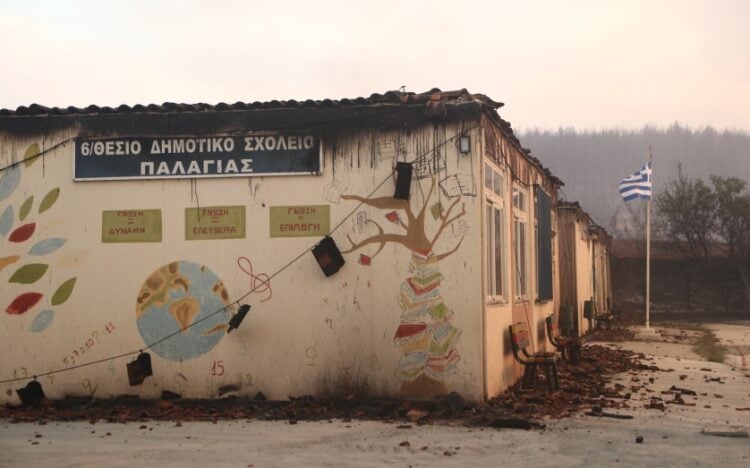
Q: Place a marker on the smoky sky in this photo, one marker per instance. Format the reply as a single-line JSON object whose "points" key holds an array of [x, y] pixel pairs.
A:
{"points": [[583, 64]]}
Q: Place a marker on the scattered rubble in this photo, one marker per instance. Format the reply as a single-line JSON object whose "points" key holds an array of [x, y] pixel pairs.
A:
{"points": [[611, 336], [730, 431], [582, 387]]}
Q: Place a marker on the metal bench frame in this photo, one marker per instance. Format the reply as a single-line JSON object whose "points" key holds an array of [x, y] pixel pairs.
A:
{"points": [[520, 339], [569, 347]]}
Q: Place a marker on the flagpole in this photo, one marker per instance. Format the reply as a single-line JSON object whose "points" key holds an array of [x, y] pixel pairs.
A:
{"points": [[648, 241]]}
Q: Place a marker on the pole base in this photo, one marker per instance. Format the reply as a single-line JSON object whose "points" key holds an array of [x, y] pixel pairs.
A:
{"points": [[647, 334]]}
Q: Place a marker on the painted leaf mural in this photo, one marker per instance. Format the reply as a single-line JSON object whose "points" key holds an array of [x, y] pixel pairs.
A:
{"points": [[9, 180], [49, 199], [29, 274], [29, 155], [63, 292], [46, 246], [6, 220], [23, 233], [26, 208], [43, 320], [23, 303], [5, 261]]}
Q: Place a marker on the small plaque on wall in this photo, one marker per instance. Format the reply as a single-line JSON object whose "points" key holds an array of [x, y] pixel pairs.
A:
{"points": [[215, 222], [131, 226], [300, 220]]}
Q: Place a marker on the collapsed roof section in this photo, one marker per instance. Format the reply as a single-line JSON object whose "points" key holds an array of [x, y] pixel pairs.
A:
{"points": [[393, 109], [391, 98], [593, 227]]}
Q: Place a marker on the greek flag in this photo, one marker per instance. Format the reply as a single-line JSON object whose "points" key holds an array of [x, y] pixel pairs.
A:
{"points": [[637, 185]]}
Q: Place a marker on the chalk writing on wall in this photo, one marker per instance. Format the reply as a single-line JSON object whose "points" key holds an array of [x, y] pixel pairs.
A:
{"points": [[430, 164], [21, 373], [333, 191], [457, 185], [173, 298], [89, 387], [360, 222], [90, 343], [245, 379]]}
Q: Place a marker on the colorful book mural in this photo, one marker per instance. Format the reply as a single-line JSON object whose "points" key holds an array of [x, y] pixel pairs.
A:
{"points": [[426, 334]]}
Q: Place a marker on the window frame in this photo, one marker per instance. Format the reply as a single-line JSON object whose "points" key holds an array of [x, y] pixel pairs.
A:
{"points": [[495, 224], [520, 199]]}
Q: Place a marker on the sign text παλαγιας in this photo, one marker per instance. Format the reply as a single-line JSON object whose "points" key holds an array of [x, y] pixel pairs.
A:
{"points": [[192, 157]]}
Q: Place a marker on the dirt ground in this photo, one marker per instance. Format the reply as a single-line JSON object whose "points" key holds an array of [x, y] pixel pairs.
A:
{"points": [[671, 401]]}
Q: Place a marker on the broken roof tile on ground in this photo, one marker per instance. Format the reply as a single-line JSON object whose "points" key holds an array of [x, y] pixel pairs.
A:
{"points": [[583, 387]]}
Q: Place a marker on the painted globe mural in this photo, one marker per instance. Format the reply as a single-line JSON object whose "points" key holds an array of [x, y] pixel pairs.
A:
{"points": [[176, 296]]}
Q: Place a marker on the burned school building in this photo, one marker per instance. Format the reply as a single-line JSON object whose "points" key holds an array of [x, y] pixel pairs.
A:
{"points": [[383, 245]]}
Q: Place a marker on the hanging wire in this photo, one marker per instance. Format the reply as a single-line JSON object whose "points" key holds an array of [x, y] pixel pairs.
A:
{"points": [[41, 153], [263, 283]]}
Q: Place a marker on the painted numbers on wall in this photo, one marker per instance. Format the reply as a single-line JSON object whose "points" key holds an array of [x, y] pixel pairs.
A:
{"points": [[217, 369]]}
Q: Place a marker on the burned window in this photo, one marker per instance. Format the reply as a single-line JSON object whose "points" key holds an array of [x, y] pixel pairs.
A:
{"points": [[543, 245]]}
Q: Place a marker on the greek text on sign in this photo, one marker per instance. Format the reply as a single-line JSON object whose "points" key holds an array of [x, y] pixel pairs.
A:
{"points": [[300, 220], [131, 226], [215, 222], [194, 157]]}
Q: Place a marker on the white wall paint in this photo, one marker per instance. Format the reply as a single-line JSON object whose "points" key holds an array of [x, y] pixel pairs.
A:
{"points": [[314, 335]]}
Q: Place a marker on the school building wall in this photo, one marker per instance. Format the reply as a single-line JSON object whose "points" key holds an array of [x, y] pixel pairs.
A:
{"points": [[504, 155], [70, 298]]}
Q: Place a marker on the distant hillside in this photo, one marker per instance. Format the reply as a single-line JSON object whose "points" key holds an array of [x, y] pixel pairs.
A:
{"points": [[678, 286], [592, 163]]}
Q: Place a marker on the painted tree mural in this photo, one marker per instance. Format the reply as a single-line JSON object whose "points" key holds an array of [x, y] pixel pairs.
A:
{"points": [[425, 335], [21, 230]]}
